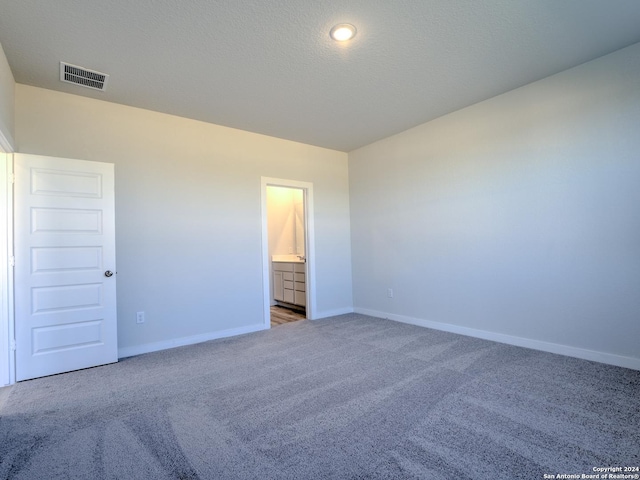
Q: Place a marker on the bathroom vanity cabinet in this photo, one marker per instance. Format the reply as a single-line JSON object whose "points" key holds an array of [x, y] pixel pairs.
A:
{"points": [[289, 283]]}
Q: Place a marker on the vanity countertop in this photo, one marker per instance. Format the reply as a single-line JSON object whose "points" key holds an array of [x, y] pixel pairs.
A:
{"points": [[286, 258]]}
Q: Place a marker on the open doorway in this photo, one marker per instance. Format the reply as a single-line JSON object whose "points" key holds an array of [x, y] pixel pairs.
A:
{"points": [[286, 227], [287, 251]]}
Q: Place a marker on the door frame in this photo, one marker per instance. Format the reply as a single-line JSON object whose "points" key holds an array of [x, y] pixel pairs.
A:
{"points": [[7, 335], [310, 247]]}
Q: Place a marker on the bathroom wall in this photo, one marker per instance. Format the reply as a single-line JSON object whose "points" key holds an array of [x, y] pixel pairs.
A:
{"points": [[298, 208], [281, 220]]}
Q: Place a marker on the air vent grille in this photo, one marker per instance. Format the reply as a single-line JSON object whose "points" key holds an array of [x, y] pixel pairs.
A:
{"points": [[83, 76]]}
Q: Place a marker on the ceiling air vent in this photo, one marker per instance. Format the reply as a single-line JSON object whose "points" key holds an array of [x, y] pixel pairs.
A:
{"points": [[83, 76]]}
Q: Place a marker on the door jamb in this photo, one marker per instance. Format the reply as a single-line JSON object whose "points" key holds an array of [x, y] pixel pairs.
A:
{"points": [[310, 248], [7, 326]]}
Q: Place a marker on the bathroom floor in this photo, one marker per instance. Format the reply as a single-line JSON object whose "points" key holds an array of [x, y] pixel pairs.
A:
{"points": [[280, 315]]}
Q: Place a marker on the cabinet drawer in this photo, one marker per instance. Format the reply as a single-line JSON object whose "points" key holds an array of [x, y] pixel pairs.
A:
{"points": [[288, 285], [299, 286], [283, 267], [300, 299], [298, 267], [287, 276], [299, 277]]}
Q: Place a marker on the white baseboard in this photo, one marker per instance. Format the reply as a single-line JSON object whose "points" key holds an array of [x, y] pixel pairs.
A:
{"points": [[182, 341], [593, 355], [332, 313]]}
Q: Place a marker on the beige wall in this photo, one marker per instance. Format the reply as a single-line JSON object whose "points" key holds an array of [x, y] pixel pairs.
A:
{"points": [[7, 90], [188, 211], [516, 218]]}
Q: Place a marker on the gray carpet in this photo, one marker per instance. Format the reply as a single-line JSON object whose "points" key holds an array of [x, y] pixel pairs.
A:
{"points": [[350, 397]]}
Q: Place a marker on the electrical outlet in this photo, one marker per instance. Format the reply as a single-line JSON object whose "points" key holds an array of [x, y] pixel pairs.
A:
{"points": [[390, 292], [140, 317]]}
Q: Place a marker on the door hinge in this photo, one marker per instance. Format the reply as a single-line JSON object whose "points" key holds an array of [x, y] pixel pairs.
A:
{"points": [[12, 261], [13, 345], [12, 178]]}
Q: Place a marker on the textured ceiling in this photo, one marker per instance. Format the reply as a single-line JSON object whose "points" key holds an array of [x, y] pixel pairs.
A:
{"points": [[270, 67]]}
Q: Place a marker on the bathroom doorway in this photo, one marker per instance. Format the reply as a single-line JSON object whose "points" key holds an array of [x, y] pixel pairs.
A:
{"points": [[288, 271]]}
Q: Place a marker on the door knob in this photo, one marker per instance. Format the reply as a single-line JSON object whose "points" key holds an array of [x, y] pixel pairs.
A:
{"points": [[108, 273]]}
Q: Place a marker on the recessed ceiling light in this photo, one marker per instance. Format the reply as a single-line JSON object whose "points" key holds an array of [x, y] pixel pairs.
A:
{"points": [[343, 32]]}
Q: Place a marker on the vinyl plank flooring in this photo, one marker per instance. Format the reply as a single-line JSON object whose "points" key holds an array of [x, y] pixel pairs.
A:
{"points": [[281, 315]]}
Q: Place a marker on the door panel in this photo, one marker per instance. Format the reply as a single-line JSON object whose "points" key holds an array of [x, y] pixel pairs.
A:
{"points": [[65, 307]]}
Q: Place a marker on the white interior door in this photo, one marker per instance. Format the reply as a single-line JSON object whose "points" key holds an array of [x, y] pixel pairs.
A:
{"points": [[65, 284]]}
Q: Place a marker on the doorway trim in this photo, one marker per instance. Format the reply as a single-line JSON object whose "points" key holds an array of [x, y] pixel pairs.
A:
{"points": [[310, 248], [7, 336]]}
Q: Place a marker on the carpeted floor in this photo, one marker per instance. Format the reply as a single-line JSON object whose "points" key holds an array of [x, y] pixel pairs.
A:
{"points": [[350, 397]]}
